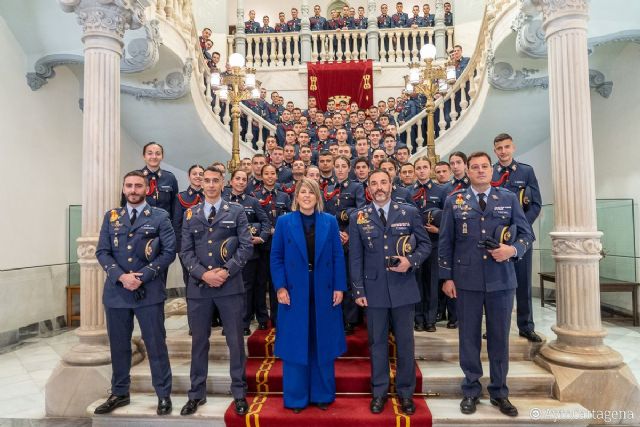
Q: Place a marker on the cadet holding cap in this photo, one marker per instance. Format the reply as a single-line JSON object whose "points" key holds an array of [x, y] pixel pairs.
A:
{"points": [[216, 245], [136, 245], [386, 242], [483, 229]]}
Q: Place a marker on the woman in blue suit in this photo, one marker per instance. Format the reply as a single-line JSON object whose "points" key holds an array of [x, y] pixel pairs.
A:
{"points": [[308, 273]]}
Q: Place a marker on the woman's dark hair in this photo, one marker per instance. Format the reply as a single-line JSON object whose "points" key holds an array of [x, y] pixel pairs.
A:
{"points": [[193, 167], [148, 144], [235, 172]]}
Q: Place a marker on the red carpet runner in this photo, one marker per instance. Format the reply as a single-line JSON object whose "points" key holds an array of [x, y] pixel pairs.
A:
{"points": [[353, 370]]}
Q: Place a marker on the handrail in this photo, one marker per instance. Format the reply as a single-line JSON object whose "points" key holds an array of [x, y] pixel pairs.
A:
{"points": [[261, 120]]}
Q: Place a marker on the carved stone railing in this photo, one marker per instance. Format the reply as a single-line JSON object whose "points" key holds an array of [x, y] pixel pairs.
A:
{"points": [[395, 45], [450, 108]]}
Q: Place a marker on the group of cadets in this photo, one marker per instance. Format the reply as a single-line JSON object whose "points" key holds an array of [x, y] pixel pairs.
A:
{"points": [[347, 19]]}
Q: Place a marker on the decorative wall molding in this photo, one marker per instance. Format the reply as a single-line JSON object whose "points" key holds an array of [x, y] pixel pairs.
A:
{"points": [[565, 247], [620, 36], [503, 76], [174, 86], [44, 68]]}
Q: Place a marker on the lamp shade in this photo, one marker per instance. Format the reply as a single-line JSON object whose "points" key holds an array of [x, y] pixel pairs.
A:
{"points": [[409, 88], [255, 93], [250, 80], [428, 51], [237, 60], [414, 75], [224, 94], [215, 79]]}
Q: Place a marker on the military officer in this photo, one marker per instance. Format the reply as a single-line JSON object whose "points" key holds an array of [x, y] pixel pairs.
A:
{"points": [[361, 21], [260, 228], [399, 18], [427, 195], [384, 20], [481, 276], [187, 199], [317, 22], [136, 245], [448, 15], [340, 200], [275, 203], [251, 26], [398, 192], [294, 24], [416, 20], [209, 233], [520, 179], [386, 242]]}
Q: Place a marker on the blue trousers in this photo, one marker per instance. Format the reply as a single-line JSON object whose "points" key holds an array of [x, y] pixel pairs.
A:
{"points": [[497, 306], [524, 309], [120, 327], [428, 284], [303, 384]]}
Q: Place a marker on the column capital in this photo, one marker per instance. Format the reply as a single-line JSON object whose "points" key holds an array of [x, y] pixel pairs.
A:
{"points": [[563, 14], [107, 17]]}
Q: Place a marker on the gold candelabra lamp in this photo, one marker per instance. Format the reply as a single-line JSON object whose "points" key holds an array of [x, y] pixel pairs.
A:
{"points": [[235, 85], [429, 79]]}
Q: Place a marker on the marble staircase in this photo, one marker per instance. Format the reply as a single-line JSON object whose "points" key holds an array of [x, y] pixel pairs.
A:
{"points": [[530, 386]]}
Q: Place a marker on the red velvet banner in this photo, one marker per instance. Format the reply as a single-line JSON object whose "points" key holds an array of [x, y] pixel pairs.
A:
{"points": [[351, 81]]}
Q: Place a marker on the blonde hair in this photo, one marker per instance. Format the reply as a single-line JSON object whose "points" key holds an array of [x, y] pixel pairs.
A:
{"points": [[310, 185]]}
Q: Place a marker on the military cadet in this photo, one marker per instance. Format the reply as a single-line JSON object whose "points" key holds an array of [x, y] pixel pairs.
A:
{"points": [[325, 164], [216, 245], [275, 203], [361, 21], [448, 15], [266, 28], [428, 18], [402, 154], [386, 242], [407, 175], [520, 179], [251, 26], [317, 22], [427, 195], [399, 18], [260, 229], [187, 199], [384, 20], [282, 128], [475, 263], [347, 19], [136, 245], [277, 160], [281, 25], [460, 180], [162, 185], [293, 25], [443, 172], [336, 22], [416, 20], [398, 192], [254, 183], [340, 200]]}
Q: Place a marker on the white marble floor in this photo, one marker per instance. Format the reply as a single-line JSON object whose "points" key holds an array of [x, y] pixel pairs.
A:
{"points": [[25, 367]]}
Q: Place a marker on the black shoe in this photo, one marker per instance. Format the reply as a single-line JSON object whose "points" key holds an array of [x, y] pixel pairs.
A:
{"points": [[223, 334], [247, 332], [505, 406], [452, 325], [418, 327], [189, 332], [348, 329], [191, 406], [531, 336], [468, 405], [242, 407], [164, 406], [112, 403], [484, 336], [262, 326], [377, 404], [297, 410], [429, 327], [439, 317], [322, 406], [407, 405], [215, 323]]}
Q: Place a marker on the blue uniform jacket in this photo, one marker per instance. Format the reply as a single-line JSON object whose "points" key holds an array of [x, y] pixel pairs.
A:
{"points": [[162, 194], [370, 246], [318, 23], [275, 203], [360, 23], [290, 270], [117, 251], [185, 200], [384, 21], [200, 239], [464, 224], [266, 30], [429, 21], [400, 20], [294, 25], [251, 27], [341, 204], [259, 225], [416, 20], [521, 177]]}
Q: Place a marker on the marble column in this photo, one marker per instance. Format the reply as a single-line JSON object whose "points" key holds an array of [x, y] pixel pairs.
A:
{"points": [[578, 358], [440, 32], [305, 33], [87, 365], [241, 37], [373, 34]]}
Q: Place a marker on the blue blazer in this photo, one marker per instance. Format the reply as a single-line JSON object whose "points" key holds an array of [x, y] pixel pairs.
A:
{"points": [[289, 269]]}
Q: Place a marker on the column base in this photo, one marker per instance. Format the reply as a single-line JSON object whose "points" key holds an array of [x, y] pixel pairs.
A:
{"points": [[72, 387], [604, 389]]}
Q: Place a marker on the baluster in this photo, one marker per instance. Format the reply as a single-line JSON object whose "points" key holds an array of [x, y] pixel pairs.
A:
{"points": [[339, 41], [419, 138], [296, 51], [323, 47], [442, 124], [250, 52], [473, 88], [168, 10], [363, 45], [417, 35], [249, 134], [160, 4], [314, 46], [406, 34], [449, 38], [281, 42], [454, 112], [229, 46], [330, 48], [346, 36], [226, 119], [260, 142], [265, 55], [287, 40], [463, 98], [384, 38], [392, 46], [216, 108], [272, 52]]}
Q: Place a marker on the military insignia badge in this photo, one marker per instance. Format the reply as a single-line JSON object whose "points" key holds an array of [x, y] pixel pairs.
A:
{"points": [[362, 218], [405, 245], [189, 214], [147, 212], [114, 216], [225, 207], [459, 200]]}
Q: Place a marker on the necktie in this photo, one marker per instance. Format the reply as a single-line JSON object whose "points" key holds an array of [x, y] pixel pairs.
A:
{"points": [[134, 216], [382, 217], [482, 202], [212, 214]]}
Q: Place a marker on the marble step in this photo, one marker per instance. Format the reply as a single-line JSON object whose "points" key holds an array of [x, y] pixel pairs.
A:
{"points": [[441, 345], [525, 378], [446, 412]]}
